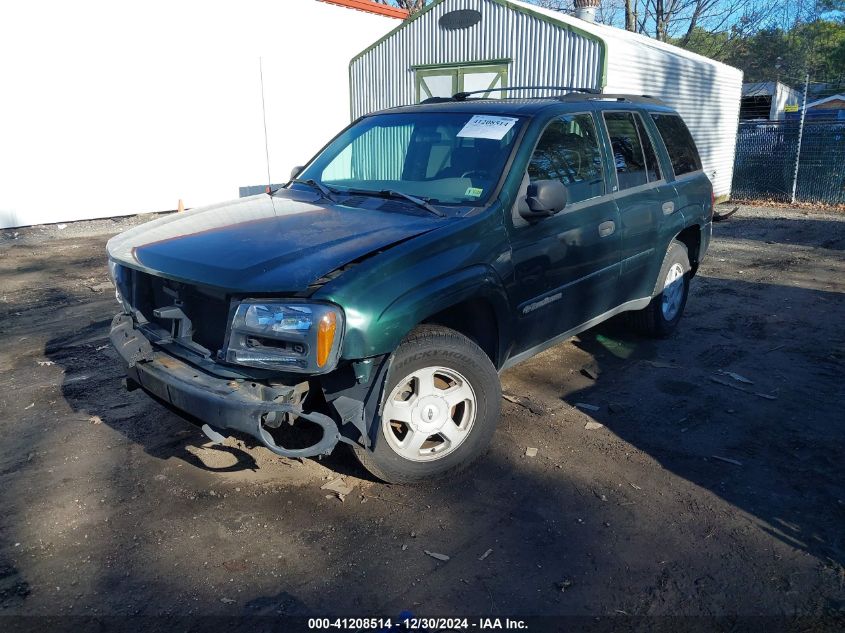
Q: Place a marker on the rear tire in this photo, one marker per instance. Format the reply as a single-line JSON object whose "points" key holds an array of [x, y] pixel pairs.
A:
{"points": [[440, 407], [660, 318]]}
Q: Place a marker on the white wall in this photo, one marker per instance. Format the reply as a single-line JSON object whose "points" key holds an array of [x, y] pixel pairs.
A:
{"points": [[784, 96], [110, 108]]}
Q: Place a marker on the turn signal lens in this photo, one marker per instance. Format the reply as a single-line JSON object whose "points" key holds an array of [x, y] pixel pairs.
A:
{"points": [[325, 337]]}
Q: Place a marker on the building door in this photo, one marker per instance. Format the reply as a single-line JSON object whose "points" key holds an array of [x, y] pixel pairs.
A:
{"points": [[444, 81]]}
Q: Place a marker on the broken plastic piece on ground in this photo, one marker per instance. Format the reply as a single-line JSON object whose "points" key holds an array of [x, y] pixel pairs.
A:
{"points": [[339, 486], [588, 407], [661, 365], [728, 460], [719, 217], [736, 377]]}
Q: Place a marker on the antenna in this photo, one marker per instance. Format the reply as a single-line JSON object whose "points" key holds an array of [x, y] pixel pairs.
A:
{"points": [[264, 116]]}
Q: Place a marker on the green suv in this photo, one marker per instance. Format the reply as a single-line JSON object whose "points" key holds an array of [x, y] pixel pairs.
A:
{"points": [[374, 298]]}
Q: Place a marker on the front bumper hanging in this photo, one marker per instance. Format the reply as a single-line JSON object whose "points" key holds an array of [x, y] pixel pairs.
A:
{"points": [[219, 402]]}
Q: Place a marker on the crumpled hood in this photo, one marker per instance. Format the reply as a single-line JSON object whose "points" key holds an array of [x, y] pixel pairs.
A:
{"points": [[263, 243]]}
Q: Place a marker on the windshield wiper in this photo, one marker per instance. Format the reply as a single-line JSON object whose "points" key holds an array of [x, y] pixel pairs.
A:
{"points": [[327, 192], [391, 193], [420, 202]]}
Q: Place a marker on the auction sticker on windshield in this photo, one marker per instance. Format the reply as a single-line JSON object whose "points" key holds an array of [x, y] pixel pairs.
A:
{"points": [[486, 126]]}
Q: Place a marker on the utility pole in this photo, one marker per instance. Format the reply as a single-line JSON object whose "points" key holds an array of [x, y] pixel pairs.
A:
{"points": [[800, 138]]}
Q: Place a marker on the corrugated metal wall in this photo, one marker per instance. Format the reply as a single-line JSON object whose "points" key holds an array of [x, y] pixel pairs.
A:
{"points": [[545, 52], [705, 93], [541, 54]]}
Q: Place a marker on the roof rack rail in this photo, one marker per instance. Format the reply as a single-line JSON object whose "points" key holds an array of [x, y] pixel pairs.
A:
{"points": [[616, 97], [461, 96], [437, 100]]}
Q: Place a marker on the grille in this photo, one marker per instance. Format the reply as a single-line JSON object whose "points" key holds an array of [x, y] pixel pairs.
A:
{"points": [[208, 310]]}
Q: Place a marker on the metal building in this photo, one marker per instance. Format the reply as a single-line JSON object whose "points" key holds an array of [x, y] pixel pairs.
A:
{"points": [[768, 100], [462, 45]]}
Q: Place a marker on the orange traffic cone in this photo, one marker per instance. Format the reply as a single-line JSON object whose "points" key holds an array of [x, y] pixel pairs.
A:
{"points": [[181, 206]]}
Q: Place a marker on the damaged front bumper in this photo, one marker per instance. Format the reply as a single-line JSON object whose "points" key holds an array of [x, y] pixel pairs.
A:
{"points": [[236, 405]]}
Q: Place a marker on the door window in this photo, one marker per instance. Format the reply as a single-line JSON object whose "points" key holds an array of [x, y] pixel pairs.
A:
{"points": [[568, 151], [678, 140], [628, 153]]}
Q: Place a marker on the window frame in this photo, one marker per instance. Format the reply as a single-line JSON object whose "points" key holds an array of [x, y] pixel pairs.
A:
{"points": [[599, 143], [457, 72]]}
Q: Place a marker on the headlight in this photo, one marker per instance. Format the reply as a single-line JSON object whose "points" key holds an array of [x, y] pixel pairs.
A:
{"points": [[290, 336]]}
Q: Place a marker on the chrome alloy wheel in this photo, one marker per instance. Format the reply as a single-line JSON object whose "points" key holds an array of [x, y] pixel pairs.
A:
{"points": [[429, 414], [673, 292]]}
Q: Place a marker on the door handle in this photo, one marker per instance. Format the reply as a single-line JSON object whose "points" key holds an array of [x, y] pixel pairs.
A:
{"points": [[607, 228]]}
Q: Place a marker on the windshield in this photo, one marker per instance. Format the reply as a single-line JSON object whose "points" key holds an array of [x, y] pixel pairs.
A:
{"points": [[445, 158]]}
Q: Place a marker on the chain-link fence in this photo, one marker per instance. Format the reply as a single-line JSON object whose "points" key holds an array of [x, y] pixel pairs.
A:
{"points": [[776, 160]]}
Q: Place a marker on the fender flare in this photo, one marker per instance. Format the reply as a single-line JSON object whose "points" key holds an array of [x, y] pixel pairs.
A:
{"points": [[477, 282]]}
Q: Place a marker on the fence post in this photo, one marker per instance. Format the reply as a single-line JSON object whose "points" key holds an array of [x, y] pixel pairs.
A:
{"points": [[800, 138]]}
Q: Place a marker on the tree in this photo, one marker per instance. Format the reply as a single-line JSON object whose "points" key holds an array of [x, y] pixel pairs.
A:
{"points": [[678, 19], [411, 6]]}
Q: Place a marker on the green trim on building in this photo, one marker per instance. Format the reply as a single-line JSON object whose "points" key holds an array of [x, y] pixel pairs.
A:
{"points": [[509, 5], [488, 62]]}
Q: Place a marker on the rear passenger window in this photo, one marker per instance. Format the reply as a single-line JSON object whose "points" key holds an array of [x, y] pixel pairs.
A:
{"points": [[628, 154], [679, 143], [569, 151], [652, 166]]}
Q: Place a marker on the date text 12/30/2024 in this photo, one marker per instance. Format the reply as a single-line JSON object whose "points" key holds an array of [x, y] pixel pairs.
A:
{"points": [[417, 624]]}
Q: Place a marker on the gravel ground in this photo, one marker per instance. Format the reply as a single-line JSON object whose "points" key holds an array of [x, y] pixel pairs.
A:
{"points": [[701, 494]]}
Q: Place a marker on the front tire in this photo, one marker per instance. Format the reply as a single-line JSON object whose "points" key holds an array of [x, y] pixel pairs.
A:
{"points": [[660, 318], [441, 406]]}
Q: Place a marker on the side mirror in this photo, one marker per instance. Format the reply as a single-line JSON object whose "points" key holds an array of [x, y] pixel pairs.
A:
{"points": [[545, 198], [295, 171]]}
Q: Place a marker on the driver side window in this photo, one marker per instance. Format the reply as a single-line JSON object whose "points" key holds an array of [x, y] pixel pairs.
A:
{"points": [[568, 151]]}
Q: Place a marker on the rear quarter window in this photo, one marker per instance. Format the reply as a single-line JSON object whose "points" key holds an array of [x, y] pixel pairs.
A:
{"points": [[678, 141]]}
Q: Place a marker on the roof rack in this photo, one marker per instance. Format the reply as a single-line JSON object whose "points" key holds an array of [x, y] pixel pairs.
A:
{"points": [[615, 97], [461, 96], [591, 94]]}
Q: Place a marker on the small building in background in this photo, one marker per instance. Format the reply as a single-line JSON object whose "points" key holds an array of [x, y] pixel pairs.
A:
{"points": [[462, 45], [832, 107], [768, 100]]}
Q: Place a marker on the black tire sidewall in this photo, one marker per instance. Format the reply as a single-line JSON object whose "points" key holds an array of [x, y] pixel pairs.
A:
{"points": [[444, 348]]}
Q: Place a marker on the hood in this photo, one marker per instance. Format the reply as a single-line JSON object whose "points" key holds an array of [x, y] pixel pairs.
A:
{"points": [[279, 243]]}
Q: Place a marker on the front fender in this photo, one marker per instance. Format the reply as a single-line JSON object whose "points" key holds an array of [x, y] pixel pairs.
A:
{"points": [[380, 333], [387, 296], [479, 282]]}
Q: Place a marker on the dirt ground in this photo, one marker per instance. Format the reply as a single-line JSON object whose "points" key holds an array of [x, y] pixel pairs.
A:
{"points": [[703, 493]]}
